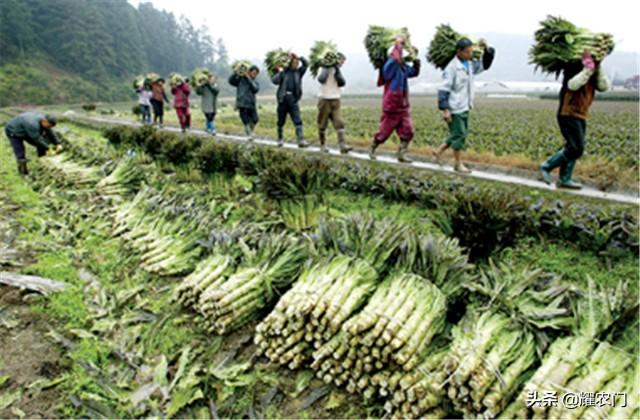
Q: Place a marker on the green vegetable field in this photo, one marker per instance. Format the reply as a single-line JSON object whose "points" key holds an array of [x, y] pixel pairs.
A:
{"points": [[209, 278]]}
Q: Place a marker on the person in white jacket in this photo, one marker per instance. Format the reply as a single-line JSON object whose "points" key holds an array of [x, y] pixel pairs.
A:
{"points": [[455, 97], [331, 81]]}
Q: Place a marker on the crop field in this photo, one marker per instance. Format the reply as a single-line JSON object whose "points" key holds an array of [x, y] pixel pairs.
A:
{"points": [[519, 132], [215, 279]]}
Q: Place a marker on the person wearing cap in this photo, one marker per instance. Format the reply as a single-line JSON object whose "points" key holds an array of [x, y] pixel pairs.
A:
{"points": [[331, 81], [246, 89], [289, 93], [396, 115], [455, 96], [35, 129], [158, 95], [579, 85]]}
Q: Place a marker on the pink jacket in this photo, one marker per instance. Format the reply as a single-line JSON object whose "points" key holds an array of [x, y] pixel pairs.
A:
{"points": [[181, 95]]}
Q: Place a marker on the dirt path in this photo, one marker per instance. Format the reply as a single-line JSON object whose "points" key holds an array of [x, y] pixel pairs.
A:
{"points": [[490, 173]]}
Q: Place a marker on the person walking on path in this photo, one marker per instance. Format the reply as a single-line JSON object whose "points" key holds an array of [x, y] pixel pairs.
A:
{"points": [[455, 97], [247, 87], [331, 81], [396, 112], [579, 84], [289, 93], [209, 93]]}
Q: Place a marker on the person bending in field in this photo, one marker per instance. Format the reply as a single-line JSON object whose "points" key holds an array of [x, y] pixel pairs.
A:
{"points": [[181, 92], [396, 113], [158, 97], [455, 96], [209, 93], [35, 129], [246, 89], [289, 93], [579, 84], [331, 80]]}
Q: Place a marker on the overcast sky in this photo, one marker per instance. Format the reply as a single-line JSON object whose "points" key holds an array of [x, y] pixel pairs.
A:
{"points": [[249, 28]]}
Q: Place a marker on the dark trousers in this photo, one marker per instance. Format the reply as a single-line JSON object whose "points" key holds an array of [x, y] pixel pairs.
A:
{"points": [[289, 106], [573, 130], [209, 116], [146, 114], [17, 144], [248, 116], [158, 110]]}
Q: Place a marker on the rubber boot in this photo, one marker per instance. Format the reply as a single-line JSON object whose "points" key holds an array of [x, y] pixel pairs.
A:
{"points": [[566, 172], [300, 137], [322, 136], [22, 168], [213, 131], [248, 132], [550, 164], [280, 136], [372, 150], [402, 152], [208, 127], [342, 142]]}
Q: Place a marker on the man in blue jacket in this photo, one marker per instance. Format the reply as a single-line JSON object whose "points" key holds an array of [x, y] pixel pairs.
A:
{"points": [[396, 115], [289, 83]]}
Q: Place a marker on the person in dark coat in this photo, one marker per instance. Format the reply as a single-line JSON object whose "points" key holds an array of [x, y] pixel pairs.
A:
{"points": [[35, 129], [247, 87], [289, 93]]}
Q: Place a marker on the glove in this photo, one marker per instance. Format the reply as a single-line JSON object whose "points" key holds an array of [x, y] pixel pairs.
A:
{"points": [[587, 61]]}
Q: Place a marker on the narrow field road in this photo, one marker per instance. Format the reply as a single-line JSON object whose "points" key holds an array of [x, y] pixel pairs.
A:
{"points": [[494, 174]]}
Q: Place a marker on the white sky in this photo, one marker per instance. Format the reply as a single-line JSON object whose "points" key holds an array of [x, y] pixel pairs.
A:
{"points": [[249, 28]]}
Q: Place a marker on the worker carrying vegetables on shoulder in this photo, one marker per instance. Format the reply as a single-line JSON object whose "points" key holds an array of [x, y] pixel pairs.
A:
{"points": [[158, 97], [181, 91], [144, 100], [396, 113], [247, 88], [331, 81], [209, 92], [455, 96], [579, 84], [289, 93], [34, 128]]}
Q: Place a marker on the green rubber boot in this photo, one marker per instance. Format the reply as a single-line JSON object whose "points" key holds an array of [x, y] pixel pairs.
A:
{"points": [[550, 164], [566, 172]]}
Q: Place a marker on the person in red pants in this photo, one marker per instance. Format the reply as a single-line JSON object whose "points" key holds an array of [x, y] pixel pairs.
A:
{"points": [[180, 92], [396, 114]]}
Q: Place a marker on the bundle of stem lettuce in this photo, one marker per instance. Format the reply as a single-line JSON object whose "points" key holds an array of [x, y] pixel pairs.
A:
{"points": [[596, 311], [380, 39], [240, 298], [313, 311], [138, 82], [153, 77], [165, 236], [175, 78], [392, 332], [199, 77], [419, 393], [225, 246], [124, 179], [241, 67], [559, 42], [323, 54], [277, 58], [490, 352], [442, 48], [65, 169]]}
